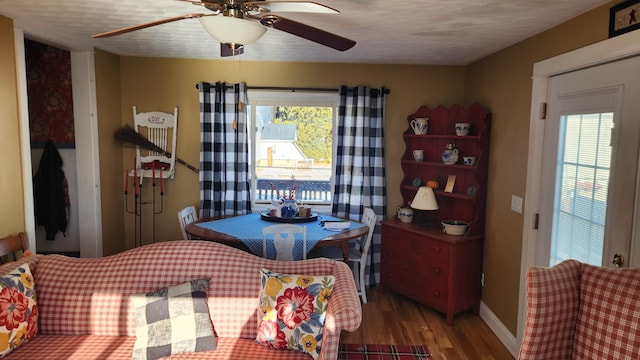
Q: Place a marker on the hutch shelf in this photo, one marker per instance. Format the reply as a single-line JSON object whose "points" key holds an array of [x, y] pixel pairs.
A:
{"points": [[419, 260]]}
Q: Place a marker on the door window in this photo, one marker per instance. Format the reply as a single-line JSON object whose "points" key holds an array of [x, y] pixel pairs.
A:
{"points": [[582, 182]]}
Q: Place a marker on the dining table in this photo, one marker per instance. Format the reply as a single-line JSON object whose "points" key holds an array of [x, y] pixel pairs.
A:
{"points": [[247, 230]]}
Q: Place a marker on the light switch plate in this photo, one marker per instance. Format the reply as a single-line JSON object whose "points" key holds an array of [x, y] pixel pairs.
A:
{"points": [[516, 204]]}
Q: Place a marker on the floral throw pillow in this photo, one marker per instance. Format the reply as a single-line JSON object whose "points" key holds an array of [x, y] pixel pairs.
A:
{"points": [[18, 309], [292, 310]]}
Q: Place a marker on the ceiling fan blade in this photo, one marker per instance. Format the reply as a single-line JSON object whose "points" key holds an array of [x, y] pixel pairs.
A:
{"points": [[194, 2], [294, 6], [211, 5], [145, 25], [308, 32], [226, 50]]}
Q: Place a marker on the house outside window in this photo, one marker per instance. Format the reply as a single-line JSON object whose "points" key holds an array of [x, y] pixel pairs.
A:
{"points": [[292, 146]]}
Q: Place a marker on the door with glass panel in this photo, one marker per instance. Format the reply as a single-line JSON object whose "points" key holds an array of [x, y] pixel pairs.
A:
{"points": [[589, 192]]}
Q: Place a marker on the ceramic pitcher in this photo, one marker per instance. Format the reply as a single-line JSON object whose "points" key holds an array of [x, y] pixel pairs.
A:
{"points": [[289, 208], [420, 125], [405, 214]]}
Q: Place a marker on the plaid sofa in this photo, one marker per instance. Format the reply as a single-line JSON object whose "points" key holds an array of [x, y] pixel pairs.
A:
{"points": [[85, 310], [581, 311]]}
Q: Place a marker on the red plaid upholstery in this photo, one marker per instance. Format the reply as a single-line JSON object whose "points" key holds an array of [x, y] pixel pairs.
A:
{"points": [[580, 311], [552, 309], [91, 296], [83, 347], [609, 317]]}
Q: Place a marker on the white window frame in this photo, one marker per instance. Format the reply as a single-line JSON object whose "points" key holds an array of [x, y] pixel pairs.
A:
{"points": [[290, 98]]}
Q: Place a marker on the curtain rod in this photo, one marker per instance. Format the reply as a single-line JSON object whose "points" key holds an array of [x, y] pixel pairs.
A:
{"points": [[294, 89]]}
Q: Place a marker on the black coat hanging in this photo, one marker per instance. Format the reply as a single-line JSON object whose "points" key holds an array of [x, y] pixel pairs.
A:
{"points": [[50, 193]]}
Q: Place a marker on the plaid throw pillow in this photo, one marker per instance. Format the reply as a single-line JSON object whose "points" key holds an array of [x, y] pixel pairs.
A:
{"points": [[292, 311], [173, 320]]}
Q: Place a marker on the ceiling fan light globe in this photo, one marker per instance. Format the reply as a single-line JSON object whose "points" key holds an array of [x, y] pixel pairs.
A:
{"points": [[230, 30]]}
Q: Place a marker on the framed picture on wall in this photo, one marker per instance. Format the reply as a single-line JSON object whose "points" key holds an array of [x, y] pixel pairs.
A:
{"points": [[624, 17]]}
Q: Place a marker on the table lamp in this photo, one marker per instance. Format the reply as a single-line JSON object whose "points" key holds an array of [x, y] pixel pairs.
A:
{"points": [[425, 199]]}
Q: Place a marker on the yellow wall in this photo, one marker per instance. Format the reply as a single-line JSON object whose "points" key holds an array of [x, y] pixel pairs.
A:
{"points": [[502, 82], [111, 176], [12, 204], [160, 84]]}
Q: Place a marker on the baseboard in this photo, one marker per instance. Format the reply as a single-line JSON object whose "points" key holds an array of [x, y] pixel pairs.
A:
{"points": [[503, 334]]}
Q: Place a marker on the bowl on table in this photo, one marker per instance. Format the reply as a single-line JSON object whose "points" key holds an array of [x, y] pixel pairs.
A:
{"points": [[454, 227]]}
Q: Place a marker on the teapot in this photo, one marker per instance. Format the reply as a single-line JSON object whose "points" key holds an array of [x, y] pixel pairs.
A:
{"points": [[405, 214], [450, 155]]}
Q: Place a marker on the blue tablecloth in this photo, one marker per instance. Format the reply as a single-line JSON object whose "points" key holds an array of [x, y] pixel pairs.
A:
{"points": [[248, 229]]}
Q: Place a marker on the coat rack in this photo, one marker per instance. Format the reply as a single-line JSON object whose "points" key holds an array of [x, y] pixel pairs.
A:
{"points": [[156, 204]]}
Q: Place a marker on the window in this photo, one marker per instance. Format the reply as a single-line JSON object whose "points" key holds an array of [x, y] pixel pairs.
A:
{"points": [[291, 145], [584, 164]]}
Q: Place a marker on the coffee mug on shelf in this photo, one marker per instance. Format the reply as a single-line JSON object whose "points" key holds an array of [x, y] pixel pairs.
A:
{"points": [[463, 129], [469, 160], [420, 126], [418, 155]]}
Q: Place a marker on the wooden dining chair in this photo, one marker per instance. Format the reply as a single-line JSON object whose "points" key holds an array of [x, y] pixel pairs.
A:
{"points": [[359, 254], [284, 240], [186, 216], [358, 257], [12, 247]]}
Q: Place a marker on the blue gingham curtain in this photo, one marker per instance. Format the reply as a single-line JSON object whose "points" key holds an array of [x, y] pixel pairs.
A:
{"points": [[360, 168], [224, 150]]}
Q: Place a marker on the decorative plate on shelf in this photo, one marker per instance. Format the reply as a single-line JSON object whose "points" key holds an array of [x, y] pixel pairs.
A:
{"points": [[292, 220]]}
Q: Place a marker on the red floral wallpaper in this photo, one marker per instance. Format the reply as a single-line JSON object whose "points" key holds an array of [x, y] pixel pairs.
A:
{"points": [[50, 96]]}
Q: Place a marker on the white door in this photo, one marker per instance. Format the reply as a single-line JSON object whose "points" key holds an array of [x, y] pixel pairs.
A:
{"points": [[590, 164]]}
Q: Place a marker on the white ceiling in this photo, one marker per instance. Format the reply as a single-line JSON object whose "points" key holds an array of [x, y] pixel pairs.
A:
{"points": [[451, 32]]}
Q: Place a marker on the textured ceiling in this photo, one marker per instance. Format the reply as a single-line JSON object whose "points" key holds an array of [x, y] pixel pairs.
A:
{"points": [[451, 32]]}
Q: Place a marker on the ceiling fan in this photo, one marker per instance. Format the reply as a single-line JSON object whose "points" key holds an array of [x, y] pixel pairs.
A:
{"points": [[235, 23]]}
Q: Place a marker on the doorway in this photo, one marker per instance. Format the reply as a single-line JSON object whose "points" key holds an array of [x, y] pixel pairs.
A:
{"points": [[50, 100], [86, 130], [591, 153], [609, 50]]}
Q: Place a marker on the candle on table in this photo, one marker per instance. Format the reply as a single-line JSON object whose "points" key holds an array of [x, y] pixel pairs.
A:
{"points": [[161, 184]]}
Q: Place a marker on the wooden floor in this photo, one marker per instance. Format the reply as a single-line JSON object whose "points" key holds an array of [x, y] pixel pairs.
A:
{"points": [[392, 319]]}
